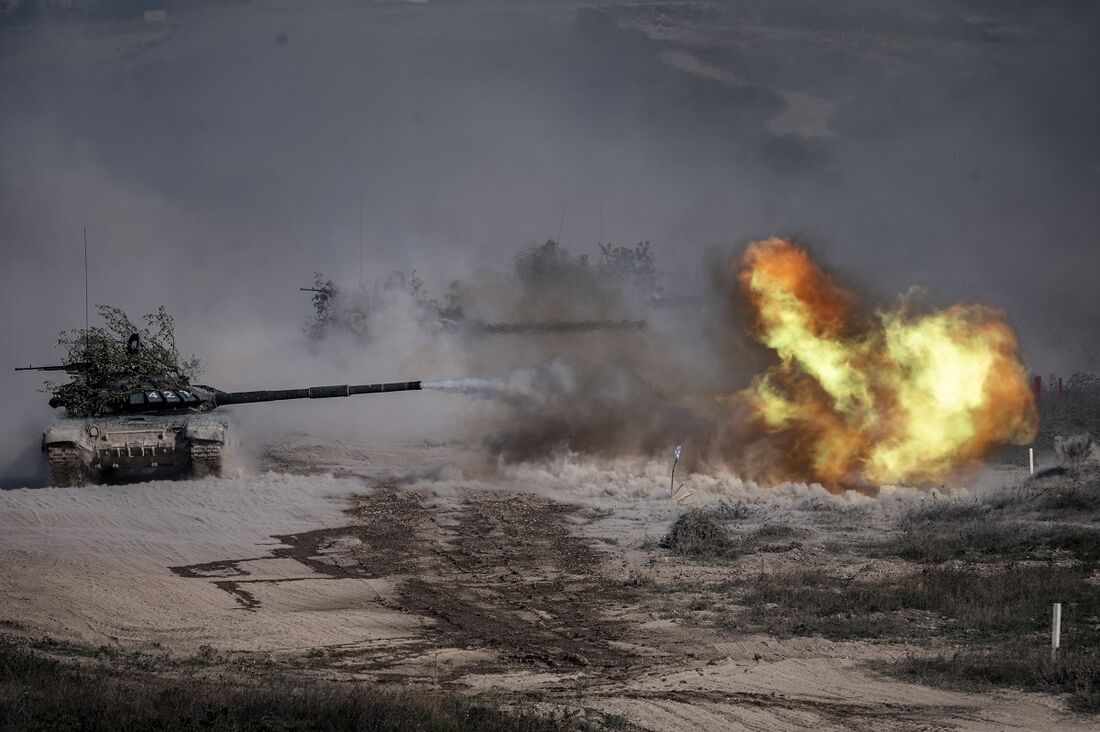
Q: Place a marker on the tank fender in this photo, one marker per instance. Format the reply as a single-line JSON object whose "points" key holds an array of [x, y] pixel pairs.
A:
{"points": [[205, 429], [65, 434]]}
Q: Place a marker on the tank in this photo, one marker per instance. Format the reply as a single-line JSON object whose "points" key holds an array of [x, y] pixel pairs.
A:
{"points": [[167, 425], [350, 311]]}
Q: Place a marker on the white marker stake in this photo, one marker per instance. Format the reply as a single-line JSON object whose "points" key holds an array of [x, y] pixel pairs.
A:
{"points": [[1055, 630], [672, 478], [1031, 459]]}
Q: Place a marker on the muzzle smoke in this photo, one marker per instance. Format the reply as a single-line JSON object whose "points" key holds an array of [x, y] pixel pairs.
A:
{"points": [[523, 388]]}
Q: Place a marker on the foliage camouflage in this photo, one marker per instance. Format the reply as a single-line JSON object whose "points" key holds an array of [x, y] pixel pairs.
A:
{"points": [[545, 270], [626, 268], [632, 267], [324, 306], [351, 308], [549, 266], [109, 372]]}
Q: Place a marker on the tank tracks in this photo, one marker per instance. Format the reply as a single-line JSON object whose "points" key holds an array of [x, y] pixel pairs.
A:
{"points": [[67, 467], [206, 460]]}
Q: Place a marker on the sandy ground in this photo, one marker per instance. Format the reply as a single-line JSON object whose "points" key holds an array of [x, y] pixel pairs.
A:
{"points": [[531, 584]]}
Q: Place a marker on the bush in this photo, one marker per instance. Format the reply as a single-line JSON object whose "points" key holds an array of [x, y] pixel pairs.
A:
{"points": [[700, 533], [1074, 449]]}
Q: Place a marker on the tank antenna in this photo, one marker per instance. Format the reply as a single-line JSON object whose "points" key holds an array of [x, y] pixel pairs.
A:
{"points": [[601, 220], [561, 221], [360, 235], [85, 286], [362, 195]]}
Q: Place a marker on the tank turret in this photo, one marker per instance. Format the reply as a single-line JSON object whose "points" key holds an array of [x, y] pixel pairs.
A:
{"points": [[202, 398]]}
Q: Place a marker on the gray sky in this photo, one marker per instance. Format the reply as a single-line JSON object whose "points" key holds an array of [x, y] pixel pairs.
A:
{"points": [[222, 159]]}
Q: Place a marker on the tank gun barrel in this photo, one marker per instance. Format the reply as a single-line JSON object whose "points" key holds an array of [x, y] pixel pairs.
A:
{"points": [[313, 392], [558, 326], [71, 368]]}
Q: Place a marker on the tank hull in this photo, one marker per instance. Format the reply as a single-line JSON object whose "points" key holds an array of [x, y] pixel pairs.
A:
{"points": [[83, 450]]}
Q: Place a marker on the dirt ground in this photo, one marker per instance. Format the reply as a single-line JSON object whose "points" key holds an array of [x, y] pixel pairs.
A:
{"points": [[538, 586]]}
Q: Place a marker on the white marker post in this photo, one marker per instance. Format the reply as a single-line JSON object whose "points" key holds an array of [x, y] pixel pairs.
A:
{"points": [[672, 478], [1031, 459], [1055, 631]]}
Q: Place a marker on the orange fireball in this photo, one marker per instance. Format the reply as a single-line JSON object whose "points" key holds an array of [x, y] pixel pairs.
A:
{"points": [[902, 396]]}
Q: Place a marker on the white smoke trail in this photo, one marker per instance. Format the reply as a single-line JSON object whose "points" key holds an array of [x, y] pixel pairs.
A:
{"points": [[465, 386], [521, 388]]}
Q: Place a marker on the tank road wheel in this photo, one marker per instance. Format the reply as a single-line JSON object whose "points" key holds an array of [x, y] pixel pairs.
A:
{"points": [[206, 459], [66, 466]]}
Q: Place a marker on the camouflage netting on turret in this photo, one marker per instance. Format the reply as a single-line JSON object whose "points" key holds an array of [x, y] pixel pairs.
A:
{"points": [[108, 371]]}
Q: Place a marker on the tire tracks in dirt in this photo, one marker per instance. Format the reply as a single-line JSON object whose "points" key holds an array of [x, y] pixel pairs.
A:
{"points": [[499, 572], [507, 588], [521, 584]]}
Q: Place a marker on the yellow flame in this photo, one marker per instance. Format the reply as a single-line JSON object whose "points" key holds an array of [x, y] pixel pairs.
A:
{"points": [[899, 397]]}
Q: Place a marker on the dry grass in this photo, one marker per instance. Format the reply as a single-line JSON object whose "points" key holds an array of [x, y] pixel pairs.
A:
{"points": [[973, 602], [986, 540], [101, 691], [1024, 549], [773, 537], [810, 602], [1052, 498], [1074, 672], [1046, 519]]}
